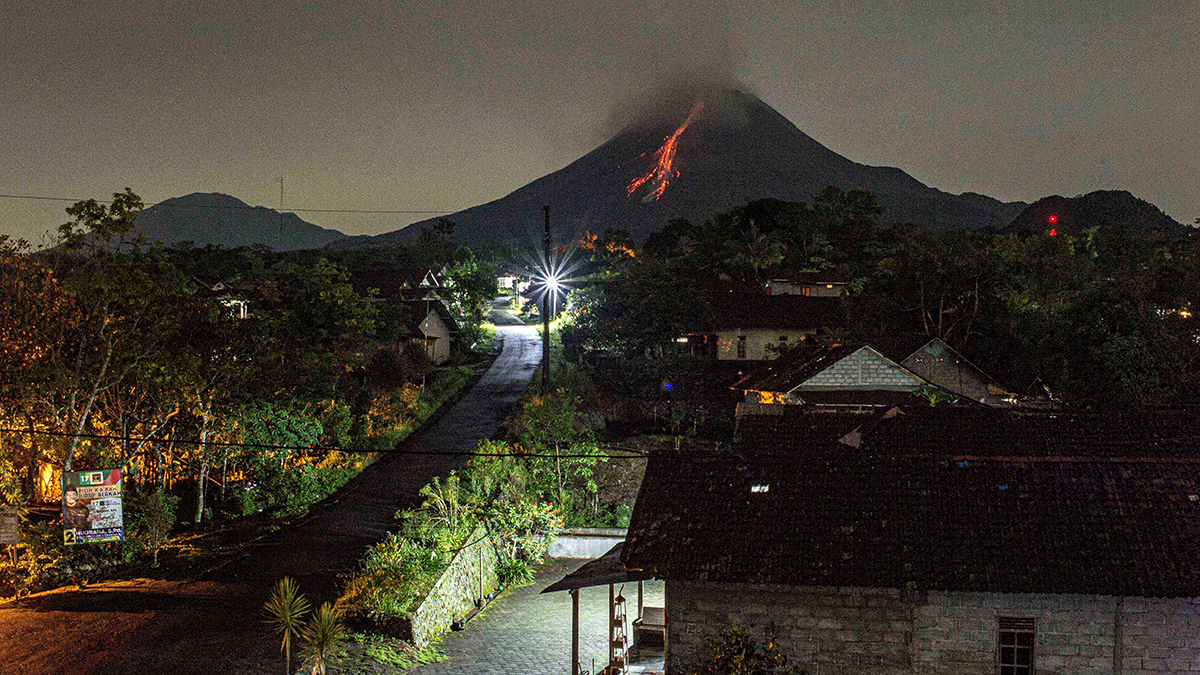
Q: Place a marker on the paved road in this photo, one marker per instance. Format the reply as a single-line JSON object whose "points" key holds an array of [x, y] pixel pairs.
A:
{"points": [[525, 632], [214, 624]]}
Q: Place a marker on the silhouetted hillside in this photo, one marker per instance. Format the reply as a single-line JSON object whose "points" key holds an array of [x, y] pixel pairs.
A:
{"points": [[218, 219], [1103, 208]]}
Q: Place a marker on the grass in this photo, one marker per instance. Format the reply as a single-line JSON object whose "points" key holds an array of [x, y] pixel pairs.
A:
{"points": [[369, 654]]}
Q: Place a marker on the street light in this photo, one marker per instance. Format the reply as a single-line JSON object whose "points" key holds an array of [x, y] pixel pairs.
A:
{"points": [[550, 286]]}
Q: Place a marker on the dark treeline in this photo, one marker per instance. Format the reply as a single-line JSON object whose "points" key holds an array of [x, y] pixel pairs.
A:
{"points": [[118, 354], [1103, 317]]}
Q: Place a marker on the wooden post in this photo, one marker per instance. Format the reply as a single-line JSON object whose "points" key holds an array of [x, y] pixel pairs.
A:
{"points": [[641, 586], [574, 631], [612, 615]]}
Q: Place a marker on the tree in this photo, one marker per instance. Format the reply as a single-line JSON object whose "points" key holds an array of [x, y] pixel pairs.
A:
{"points": [[159, 518], [285, 611], [95, 225], [323, 635]]}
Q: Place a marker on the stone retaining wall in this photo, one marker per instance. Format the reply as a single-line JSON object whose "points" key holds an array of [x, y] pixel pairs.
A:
{"points": [[470, 575]]}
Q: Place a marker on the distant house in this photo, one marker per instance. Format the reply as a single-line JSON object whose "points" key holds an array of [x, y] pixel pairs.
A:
{"points": [[935, 540], [430, 324], [782, 281], [860, 376], [232, 295], [754, 326]]}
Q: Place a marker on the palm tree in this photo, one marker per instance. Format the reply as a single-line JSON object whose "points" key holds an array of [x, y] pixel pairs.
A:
{"points": [[285, 611], [323, 635]]}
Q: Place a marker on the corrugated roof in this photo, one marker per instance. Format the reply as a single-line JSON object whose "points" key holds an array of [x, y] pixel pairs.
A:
{"points": [[936, 498]]}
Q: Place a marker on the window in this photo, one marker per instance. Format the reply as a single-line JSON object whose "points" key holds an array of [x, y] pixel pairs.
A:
{"points": [[807, 290], [782, 342], [1015, 648], [741, 347]]}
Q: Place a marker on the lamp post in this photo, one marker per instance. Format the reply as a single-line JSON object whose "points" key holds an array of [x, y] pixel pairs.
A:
{"points": [[546, 307]]}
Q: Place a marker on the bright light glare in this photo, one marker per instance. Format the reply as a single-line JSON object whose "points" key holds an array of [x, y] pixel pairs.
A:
{"points": [[552, 283]]}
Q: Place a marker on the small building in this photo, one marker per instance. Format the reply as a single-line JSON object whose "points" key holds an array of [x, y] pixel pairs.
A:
{"points": [[935, 540], [861, 376], [756, 327], [231, 295], [430, 324], [782, 281]]}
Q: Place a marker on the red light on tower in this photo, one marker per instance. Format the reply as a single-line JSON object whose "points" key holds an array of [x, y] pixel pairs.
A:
{"points": [[1053, 232], [1053, 219]]}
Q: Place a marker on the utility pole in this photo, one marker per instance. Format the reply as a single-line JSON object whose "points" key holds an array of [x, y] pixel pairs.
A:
{"points": [[546, 307], [279, 235]]}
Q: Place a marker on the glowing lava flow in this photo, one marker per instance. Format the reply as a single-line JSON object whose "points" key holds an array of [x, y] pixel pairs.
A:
{"points": [[662, 172]]}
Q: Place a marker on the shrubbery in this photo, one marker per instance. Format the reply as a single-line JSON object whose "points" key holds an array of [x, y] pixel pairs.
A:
{"points": [[496, 491]]}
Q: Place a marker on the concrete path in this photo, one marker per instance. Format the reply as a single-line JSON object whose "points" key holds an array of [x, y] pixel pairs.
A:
{"points": [[523, 631], [214, 624]]}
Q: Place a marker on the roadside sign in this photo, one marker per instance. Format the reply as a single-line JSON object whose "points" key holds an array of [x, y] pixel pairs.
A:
{"points": [[8, 525], [92, 506]]}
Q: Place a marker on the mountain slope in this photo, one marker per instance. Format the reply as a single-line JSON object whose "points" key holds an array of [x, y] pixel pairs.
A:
{"points": [[213, 218], [1103, 208], [737, 149]]}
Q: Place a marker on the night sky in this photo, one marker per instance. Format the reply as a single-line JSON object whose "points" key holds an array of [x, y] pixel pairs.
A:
{"points": [[440, 106]]}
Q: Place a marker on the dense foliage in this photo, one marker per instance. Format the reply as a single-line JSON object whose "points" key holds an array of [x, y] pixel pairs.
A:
{"points": [[491, 499], [1106, 316], [115, 354]]}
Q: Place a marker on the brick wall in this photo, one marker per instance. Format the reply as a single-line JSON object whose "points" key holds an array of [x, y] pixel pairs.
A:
{"points": [[856, 630], [846, 631]]}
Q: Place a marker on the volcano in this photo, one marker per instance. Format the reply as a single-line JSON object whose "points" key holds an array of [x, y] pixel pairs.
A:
{"points": [[723, 154]]}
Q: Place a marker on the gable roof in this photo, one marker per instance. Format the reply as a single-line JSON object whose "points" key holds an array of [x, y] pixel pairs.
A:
{"points": [[421, 305], [803, 363], [750, 311], [799, 275], [392, 282], [956, 499]]}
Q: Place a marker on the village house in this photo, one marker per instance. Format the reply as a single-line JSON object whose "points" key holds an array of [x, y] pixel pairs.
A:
{"points": [[430, 324], [781, 281], [860, 376], [756, 326], [935, 540], [231, 295]]}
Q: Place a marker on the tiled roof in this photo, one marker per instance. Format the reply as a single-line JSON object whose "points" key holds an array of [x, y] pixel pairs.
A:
{"points": [[796, 366], [936, 498], [729, 311], [390, 282], [798, 275]]}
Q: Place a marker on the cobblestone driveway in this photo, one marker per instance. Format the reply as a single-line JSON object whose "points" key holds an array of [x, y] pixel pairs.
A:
{"points": [[523, 631]]}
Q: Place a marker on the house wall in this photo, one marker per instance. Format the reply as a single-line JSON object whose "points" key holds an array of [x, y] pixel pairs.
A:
{"points": [[864, 369], [434, 327], [756, 343], [846, 631], [815, 290]]}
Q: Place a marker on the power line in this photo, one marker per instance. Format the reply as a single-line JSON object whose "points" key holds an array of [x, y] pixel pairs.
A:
{"points": [[247, 207], [633, 454]]}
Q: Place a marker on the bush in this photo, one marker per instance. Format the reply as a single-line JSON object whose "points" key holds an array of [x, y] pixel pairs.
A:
{"points": [[396, 573], [515, 572], [734, 652]]}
